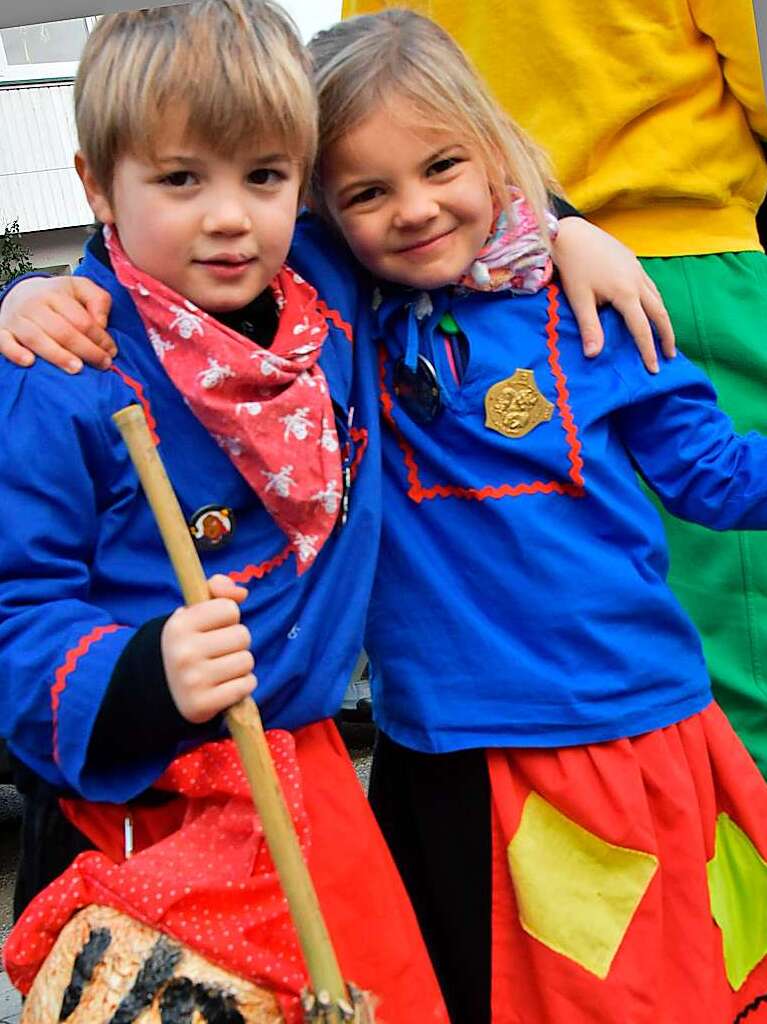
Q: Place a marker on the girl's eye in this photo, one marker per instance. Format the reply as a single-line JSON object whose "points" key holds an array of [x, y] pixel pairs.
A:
{"points": [[365, 196], [265, 176], [179, 179], [446, 163]]}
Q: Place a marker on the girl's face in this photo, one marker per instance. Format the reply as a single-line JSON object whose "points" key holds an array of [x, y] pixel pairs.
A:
{"points": [[413, 202]]}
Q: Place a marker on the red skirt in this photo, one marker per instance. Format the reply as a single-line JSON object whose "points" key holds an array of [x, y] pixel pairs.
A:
{"points": [[630, 880]]}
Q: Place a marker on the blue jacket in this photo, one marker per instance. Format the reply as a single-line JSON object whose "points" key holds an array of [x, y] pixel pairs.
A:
{"points": [[82, 564], [521, 596]]}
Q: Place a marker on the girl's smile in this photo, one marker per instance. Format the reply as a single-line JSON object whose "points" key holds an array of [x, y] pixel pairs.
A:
{"points": [[428, 245], [413, 202]]}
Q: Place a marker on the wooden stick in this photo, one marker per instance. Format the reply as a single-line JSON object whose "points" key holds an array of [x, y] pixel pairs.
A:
{"points": [[244, 722]]}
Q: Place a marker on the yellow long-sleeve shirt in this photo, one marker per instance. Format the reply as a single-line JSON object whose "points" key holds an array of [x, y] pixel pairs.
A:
{"points": [[649, 108]]}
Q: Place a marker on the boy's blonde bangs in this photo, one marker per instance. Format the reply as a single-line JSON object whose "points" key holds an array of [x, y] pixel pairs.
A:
{"points": [[232, 71], [408, 65]]}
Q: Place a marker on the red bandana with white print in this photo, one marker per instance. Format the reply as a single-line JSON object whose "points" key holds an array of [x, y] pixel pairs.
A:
{"points": [[268, 408]]}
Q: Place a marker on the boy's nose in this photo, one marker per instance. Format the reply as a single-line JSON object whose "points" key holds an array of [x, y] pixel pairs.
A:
{"points": [[415, 207], [227, 217]]}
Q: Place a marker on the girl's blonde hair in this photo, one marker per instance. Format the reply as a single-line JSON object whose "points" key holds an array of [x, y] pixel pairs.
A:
{"points": [[384, 59], [236, 70]]}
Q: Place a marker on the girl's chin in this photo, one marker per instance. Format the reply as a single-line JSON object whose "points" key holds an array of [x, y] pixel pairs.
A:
{"points": [[428, 276], [424, 282]]}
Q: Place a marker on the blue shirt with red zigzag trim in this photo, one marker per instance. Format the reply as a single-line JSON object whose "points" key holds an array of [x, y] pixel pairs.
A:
{"points": [[521, 595], [82, 565]]}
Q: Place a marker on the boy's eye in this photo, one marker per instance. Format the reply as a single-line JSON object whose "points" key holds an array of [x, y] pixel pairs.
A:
{"points": [[445, 163], [265, 176], [365, 196], [179, 179]]}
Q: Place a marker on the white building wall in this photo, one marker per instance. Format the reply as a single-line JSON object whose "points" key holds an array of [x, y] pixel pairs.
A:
{"points": [[59, 249], [38, 183], [30, 12]]}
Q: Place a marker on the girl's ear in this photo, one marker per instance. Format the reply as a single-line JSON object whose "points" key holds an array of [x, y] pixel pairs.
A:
{"points": [[98, 200]]}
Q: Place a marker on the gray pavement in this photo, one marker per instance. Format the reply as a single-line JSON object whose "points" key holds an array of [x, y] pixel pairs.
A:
{"points": [[10, 809], [10, 1001]]}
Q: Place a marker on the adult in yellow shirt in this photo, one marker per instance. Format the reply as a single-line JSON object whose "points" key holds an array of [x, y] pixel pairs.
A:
{"points": [[653, 114]]}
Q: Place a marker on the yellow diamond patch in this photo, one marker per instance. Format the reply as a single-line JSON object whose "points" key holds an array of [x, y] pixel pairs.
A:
{"points": [[737, 883], [576, 893]]}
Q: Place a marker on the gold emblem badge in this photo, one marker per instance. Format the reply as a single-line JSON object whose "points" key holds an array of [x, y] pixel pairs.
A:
{"points": [[515, 406]]}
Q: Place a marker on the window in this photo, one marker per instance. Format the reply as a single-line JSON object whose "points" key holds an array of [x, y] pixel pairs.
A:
{"points": [[58, 270], [35, 53]]}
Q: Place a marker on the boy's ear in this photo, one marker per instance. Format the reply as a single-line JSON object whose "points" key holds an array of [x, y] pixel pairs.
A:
{"points": [[97, 198]]}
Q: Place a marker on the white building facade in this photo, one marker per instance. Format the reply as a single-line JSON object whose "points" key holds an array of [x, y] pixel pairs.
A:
{"points": [[38, 183]]}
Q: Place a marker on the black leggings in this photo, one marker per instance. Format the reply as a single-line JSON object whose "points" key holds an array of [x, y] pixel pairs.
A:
{"points": [[434, 811], [49, 843]]}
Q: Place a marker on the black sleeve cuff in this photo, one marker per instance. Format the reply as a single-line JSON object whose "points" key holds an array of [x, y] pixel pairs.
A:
{"points": [[562, 208], [138, 716]]}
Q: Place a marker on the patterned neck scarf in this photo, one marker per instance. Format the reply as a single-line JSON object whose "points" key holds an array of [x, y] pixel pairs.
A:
{"points": [[514, 258], [269, 409]]}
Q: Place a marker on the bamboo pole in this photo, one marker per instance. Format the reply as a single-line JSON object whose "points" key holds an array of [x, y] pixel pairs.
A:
{"points": [[244, 722]]}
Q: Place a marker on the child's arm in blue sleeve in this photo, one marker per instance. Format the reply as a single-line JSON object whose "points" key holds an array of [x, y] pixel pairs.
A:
{"points": [[61, 479], [687, 450]]}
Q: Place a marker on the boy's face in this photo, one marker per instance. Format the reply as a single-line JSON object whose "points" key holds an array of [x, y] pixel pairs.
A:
{"points": [[413, 203], [214, 228]]}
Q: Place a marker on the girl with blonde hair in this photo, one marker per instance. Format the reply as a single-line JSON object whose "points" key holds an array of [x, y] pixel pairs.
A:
{"points": [[662, 145], [571, 812]]}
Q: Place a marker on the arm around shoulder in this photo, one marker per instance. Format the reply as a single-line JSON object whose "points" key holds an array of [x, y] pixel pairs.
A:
{"points": [[60, 319]]}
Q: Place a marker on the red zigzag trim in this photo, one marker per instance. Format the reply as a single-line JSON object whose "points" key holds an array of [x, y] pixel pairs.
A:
{"points": [[138, 387], [65, 670], [257, 572], [563, 395], [360, 436], [418, 493], [335, 318]]}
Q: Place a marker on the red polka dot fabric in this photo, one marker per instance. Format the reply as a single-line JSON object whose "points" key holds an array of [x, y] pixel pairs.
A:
{"points": [[209, 881], [211, 884]]}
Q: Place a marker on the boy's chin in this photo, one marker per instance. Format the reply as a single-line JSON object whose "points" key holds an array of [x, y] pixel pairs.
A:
{"points": [[220, 308], [218, 302], [218, 293]]}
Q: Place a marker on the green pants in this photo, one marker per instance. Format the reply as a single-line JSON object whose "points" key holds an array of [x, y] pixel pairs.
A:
{"points": [[718, 305]]}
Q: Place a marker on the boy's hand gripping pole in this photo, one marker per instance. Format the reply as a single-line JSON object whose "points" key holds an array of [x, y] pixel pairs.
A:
{"points": [[330, 1002]]}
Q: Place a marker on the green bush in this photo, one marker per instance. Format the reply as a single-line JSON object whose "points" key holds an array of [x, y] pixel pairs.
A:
{"points": [[15, 258]]}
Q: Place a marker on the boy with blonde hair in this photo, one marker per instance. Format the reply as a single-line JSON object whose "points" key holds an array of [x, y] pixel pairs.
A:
{"points": [[197, 127]]}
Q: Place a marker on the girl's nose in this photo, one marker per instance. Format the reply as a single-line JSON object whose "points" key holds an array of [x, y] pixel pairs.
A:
{"points": [[414, 208]]}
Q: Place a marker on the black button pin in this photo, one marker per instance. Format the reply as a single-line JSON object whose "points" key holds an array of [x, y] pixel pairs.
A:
{"points": [[211, 526], [417, 390]]}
